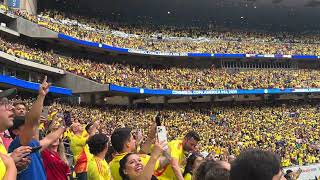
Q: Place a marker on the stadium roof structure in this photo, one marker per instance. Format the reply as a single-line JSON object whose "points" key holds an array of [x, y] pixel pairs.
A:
{"points": [[272, 14]]}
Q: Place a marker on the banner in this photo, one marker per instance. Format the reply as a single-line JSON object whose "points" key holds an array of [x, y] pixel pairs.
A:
{"points": [[14, 3], [180, 54], [310, 172], [137, 90]]}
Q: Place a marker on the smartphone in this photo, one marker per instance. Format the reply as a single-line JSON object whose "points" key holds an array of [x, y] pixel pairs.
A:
{"points": [[162, 134], [36, 149], [33, 150], [158, 119], [67, 118]]}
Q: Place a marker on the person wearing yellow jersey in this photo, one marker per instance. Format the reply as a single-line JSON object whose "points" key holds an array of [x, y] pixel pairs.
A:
{"points": [[123, 142], [80, 149], [8, 170], [178, 150], [98, 167]]}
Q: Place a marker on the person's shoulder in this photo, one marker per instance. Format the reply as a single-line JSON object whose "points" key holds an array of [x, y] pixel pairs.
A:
{"points": [[14, 144]]}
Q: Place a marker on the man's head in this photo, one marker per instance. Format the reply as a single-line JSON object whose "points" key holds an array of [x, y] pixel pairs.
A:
{"points": [[213, 170], [98, 143], [76, 128], [190, 141], [20, 109], [256, 164], [17, 127], [123, 141], [6, 110]]}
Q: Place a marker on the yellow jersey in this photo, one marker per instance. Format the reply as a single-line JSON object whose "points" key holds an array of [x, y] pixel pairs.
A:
{"points": [[176, 151], [80, 151], [3, 168], [98, 169], [115, 164], [188, 176]]}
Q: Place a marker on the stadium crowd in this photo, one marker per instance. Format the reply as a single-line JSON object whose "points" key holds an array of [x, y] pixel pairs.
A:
{"points": [[220, 135], [165, 77], [177, 40]]}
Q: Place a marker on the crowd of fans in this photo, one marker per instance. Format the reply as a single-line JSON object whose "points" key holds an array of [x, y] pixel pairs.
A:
{"points": [[220, 135], [166, 77], [290, 130], [173, 39]]}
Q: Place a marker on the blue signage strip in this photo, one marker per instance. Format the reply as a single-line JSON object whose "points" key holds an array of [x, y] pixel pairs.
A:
{"points": [[122, 89], [183, 54], [32, 86], [14, 3]]}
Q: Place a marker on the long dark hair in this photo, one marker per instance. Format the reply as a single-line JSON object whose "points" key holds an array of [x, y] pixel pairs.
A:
{"points": [[190, 161], [122, 163]]}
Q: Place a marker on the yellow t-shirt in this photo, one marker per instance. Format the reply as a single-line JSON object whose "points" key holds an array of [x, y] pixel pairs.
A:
{"points": [[114, 164], [3, 169], [80, 151], [98, 169], [188, 176], [176, 151]]}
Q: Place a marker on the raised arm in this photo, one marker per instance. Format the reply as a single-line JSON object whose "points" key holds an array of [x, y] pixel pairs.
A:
{"points": [[93, 129], [155, 155], [51, 138], [32, 119], [146, 147]]}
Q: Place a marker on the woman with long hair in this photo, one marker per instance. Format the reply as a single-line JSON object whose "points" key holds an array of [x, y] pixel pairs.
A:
{"points": [[131, 167], [193, 162]]}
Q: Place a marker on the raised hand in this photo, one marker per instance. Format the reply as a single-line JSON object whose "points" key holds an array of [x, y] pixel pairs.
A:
{"points": [[158, 149], [44, 87]]}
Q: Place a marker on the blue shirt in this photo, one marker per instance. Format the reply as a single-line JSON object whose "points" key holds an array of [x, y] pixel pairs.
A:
{"points": [[35, 169]]}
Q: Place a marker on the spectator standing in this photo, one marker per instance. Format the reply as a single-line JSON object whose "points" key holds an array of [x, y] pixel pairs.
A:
{"points": [[80, 149], [55, 161], [98, 167], [26, 131], [178, 150], [256, 164]]}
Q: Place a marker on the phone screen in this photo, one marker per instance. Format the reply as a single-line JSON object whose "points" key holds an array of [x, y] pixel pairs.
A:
{"points": [[67, 118], [162, 134], [158, 120]]}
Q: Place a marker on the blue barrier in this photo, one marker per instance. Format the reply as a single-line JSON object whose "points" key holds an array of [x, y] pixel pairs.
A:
{"points": [[189, 54], [32, 86], [122, 89]]}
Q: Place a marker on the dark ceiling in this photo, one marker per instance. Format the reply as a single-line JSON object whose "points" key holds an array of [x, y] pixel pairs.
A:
{"points": [[295, 15]]}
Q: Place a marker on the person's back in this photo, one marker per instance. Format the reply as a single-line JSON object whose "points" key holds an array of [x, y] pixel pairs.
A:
{"points": [[256, 164], [98, 168]]}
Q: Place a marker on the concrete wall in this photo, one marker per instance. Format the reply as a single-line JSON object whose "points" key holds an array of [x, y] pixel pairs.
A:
{"points": [[80, 84], [9, 59], [31, 29]]}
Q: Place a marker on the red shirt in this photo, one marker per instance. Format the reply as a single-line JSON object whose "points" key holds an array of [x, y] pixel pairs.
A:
{"points": [[56, 168], [6, 139]]}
